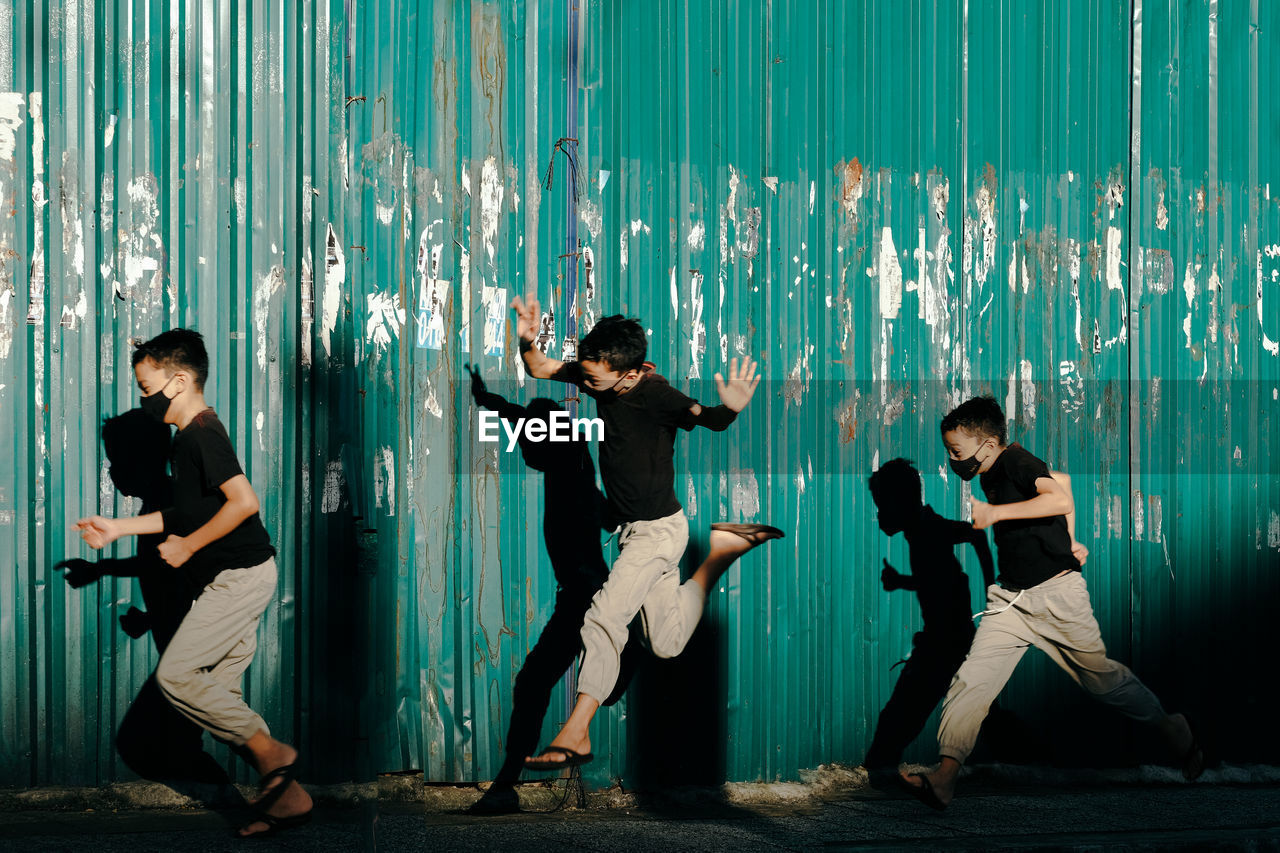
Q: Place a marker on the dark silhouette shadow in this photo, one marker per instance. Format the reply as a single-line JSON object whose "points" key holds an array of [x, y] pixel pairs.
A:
{"points": [[677, 714], [938, 649], [573, 514], [154, 740]]}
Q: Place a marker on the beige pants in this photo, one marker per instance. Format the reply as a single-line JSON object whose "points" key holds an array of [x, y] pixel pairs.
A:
{"points": [[644, 579], [201, 670], [1056, 618]]}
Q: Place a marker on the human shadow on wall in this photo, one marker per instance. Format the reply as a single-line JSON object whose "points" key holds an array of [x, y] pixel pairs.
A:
{"points": [[941, 589], [154, 740]]}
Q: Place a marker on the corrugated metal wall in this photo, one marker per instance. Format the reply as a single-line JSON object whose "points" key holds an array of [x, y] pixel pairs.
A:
{"points": [[1068, 205], [166, 165]]}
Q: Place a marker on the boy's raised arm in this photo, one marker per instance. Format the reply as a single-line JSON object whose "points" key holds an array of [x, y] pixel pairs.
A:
{"points": [[735, 394], [537, 365], [98, 531], [1051, 499], [1063, 479]]}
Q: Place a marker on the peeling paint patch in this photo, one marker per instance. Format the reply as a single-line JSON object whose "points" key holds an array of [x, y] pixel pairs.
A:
{"points": [[592, 217], [384, 480], [798, 379], [697, 236], [1269, 345], [889, 272], [491, 194], [142, 239], [432, 403], [308, 299], [743, 492], [1155, 518], [494, 300], [331, 496], [335, 273], [852, 187], [72, 317], [259, 422], [1157, 270], [10, 121], [1114, 258], [271, 284], [697, 329], [1273, 531], [1115, 517], [384, 318], [239, 192]]}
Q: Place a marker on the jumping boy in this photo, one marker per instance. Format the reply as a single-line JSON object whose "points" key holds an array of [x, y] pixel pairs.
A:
{"points": [[942, 588], [1041, 600], [641, 413], [216, 536]]}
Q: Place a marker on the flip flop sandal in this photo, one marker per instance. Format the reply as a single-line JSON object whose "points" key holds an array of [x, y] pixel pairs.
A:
{"points": [[1194, 760], [924, 792], [750, 531], [275, 824], [269, 795], [571, 759]]}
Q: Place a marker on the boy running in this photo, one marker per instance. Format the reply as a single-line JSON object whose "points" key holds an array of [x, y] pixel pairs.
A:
{"points": [[216, 536], [1041, 600]]}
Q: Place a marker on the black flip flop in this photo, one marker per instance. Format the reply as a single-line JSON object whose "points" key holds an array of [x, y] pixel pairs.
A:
{"points": [[1194, 759], [750, 531], [924, 791], [268, 797], [571, 759], [275, 824]]}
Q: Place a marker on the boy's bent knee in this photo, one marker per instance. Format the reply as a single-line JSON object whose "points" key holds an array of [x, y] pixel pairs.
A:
{"points": [[174, 681]]}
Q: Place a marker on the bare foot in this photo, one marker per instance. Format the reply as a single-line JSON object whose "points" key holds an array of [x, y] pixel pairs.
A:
{"points": [[580, 745], [731, 545], [942, 781], [292, 802]]}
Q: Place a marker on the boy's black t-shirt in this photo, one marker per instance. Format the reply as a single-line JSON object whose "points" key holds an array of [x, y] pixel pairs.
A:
{"points": [[637, 456], [1029, 551], [202, 460]]}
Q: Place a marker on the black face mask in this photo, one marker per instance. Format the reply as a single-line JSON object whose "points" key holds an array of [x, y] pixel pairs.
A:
{"points": [[157, 405], [609, 393], [966, 469]]}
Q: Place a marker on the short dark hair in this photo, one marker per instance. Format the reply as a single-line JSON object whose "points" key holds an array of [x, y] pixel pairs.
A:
{"points": [[978, 416], [177, 349], [895, 483], [618, 341]]}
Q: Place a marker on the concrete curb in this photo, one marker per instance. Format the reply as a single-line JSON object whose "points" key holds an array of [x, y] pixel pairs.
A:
{"points": [[826, 782]]}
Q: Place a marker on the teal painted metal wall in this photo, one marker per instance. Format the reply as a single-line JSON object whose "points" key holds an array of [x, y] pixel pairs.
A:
{"points": [[1068, 205]]}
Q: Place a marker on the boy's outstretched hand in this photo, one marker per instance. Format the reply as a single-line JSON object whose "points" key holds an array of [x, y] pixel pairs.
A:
{"points": [[528, 317], [743, 379], [98, 532]]}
